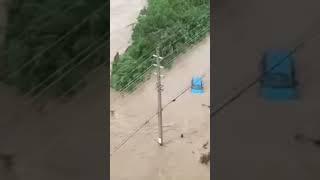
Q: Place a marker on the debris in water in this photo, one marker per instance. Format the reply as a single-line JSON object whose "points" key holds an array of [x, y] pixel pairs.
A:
{"points": [[205, 158], [112, 113], [205, 145], [208, 106], [8, 161], [303, 139]]}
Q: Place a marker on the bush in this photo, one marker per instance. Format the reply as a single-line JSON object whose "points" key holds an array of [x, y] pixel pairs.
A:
{"points": [[171, 25], [34, 25]]}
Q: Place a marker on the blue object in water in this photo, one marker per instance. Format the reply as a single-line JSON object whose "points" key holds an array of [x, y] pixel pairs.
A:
{"points": [[197, 85], [279, 81]]}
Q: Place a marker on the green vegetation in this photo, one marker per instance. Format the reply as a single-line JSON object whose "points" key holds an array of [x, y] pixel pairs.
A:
{"points": [[35, 25], [171, 25]]}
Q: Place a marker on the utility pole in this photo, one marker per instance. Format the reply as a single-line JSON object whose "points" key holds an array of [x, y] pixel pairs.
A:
{"points": [[159, 89]]}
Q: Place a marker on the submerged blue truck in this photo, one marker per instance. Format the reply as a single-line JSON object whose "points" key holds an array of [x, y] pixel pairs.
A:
{"points": [[278, 80], [197, 85]]}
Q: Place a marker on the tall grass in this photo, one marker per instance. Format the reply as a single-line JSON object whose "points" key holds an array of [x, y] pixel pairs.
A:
{"points": [[171, 25]]}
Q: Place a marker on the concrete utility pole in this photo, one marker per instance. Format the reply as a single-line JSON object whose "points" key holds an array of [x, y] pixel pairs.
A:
{"points": [[159, 88]]}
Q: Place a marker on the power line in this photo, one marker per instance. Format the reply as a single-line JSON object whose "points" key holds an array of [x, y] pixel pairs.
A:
{"points": [[34, 58], [246, 88], [150, 118], [168, 62], [63, 75], [84, 77], [147, 70], [78, 83], [73, 60], [173, 58], [49, 77], [184, 91], [43, 17], [163, 41], [81, 80], [131, 82]]}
